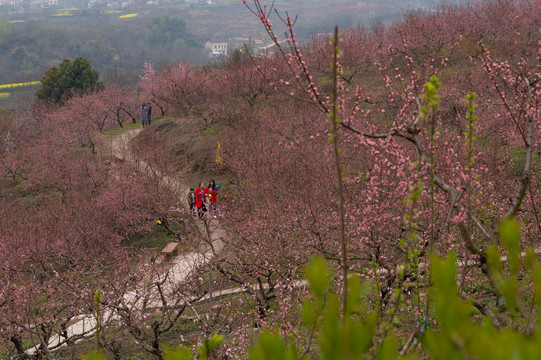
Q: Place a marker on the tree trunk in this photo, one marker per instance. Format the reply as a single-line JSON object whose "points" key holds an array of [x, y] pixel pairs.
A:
{"points": [[133, 120], [16, 340], [162, 110], [156, 349], [118, 117]]}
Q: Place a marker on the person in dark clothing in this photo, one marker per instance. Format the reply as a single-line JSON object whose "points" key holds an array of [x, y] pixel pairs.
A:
{"points": [[213, 194], [149, 111], [191, 200], [144, 114]]}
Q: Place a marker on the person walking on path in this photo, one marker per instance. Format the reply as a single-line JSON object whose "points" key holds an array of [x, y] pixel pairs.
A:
{"points": [[213, 193], [191, 200], [143, 115], [201, 200], [149, 113]]}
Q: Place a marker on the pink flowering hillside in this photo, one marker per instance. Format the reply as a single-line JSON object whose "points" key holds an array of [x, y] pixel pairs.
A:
{"points": [[377, 150]]}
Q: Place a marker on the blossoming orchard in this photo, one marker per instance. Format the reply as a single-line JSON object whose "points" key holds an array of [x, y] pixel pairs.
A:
{"points": [[379, 199]]}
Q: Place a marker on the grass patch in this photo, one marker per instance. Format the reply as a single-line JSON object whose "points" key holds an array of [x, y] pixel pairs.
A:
{"points": [[518, 159], [119, 130], [209, 132], [159, 237], [154, 240]]}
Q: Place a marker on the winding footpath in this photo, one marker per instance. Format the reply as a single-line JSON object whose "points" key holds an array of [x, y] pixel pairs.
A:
{"points": [[184, 265]]}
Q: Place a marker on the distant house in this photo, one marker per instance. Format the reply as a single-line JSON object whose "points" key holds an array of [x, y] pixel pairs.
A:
{"points": [[114, 5], [47, 3], [217, 49], [11, 2], [270, 47], [324, 36]]}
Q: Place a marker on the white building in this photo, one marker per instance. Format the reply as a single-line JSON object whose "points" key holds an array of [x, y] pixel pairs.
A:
{"points": [[48, 3], [324, 36], [11, 2], [217, 49]]}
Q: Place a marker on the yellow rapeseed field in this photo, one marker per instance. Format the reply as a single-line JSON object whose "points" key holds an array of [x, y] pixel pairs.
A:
{"points": [[17, 85], [63, 14], [127, 16], [4, 95]]}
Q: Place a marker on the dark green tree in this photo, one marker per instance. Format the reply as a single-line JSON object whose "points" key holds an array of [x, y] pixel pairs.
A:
{"points": [[164, 31], [69, 78]]}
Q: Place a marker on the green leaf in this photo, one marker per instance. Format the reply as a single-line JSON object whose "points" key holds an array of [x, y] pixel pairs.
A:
{"points": [[388, 350], [510, 235], [509, 288], [180, 353], [355, 295], [493, 259], [537, 288], [530, 260], [96, 356], [215, 341], [309, 315], [318, 277], [443, 274], [209, 345], [271, 347]]}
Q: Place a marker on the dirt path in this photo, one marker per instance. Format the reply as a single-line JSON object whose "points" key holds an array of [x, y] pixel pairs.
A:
{"points": [[184, 264], [121, 150]]}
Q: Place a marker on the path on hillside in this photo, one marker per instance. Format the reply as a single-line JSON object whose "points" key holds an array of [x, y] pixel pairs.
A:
{"points": [[184, 264]]}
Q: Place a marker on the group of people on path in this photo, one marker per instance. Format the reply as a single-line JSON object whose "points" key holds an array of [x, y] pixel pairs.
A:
{"points": [[202, 197], [199, 198], [145, 113]]}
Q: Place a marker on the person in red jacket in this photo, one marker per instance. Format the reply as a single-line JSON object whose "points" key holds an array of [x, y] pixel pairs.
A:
{"points": [[213, 193], [201, 194]]}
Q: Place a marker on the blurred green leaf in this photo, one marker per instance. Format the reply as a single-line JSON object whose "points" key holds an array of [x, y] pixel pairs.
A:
{"points": [[510, 235], [318, 277], [180, 353], [509, 288], [209, 345], [493, 259], [388, 350], [309, 313], [96, 356], [271, 347]]}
